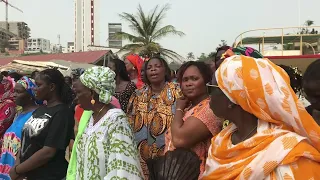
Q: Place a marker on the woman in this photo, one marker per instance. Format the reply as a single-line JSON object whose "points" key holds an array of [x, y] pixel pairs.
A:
{"points": [[24, 96], [47, 133], [105, 141], [134, 65], [7, 105], [124, 87], [271, 136], [311, 87], [225, 52], [296, 83], [194, 123], [151, 110]]}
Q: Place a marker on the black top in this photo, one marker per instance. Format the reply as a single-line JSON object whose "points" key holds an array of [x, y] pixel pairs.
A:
{"points": [[124, 96], [52, 127]]}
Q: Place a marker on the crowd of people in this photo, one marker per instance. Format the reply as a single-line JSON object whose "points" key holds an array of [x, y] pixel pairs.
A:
{"points": [[242, 116]]}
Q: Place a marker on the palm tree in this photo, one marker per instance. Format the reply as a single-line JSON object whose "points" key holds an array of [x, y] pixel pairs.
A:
{"points": [[146, 32], [190, 56]]}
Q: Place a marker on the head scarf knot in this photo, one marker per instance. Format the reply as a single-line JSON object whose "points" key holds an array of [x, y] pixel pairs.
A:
{"points": [[137, 62], [101, 80], [29, 85]]}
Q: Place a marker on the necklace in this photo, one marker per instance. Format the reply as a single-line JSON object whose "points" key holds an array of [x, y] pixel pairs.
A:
{"points": [[232, 136], [100, 111], [249, 133]]}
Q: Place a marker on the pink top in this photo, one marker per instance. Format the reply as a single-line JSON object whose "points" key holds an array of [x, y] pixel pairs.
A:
{"points": [[202, 112], [115, 102]]}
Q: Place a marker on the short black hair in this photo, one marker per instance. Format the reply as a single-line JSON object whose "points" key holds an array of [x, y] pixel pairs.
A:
{"points": [[164, 63], [5, 73], [221, 48], [33, 74], [204, 69], [16, 76], [121, 69], [62, 89], [295, 77], [312, 72]]}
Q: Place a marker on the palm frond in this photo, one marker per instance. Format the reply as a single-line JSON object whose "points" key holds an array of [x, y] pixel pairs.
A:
{"points": [[134, 23], [156, 21], [165, 31], [127, 36], [145, 22], [172, 55]]}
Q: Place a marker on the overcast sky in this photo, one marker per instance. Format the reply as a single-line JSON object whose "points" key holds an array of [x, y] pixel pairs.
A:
{"points": [[205, 22]]}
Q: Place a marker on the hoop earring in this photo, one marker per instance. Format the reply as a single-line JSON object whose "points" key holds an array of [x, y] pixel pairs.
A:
{"points": [[230, 106], [92, 101]]}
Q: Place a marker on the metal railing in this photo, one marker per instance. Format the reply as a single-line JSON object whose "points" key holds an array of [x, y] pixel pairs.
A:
{"points": [[239, 39]]}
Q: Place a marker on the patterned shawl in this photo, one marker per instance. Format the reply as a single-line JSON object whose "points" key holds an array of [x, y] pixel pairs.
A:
{"points": [[285, 132]]}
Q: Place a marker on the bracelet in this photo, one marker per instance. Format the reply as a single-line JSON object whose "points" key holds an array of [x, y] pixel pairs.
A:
{"points": [[15, 169], [178, 109]]}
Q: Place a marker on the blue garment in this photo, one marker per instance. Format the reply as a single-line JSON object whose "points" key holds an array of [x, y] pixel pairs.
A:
{"points": [[11, 144]]}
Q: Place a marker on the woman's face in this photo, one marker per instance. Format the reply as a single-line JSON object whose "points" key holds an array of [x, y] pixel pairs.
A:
{"points": [[21, 96], [219, 101], [83, 95], [156, 72], [129, 65], [192, 84], [312, 91], [43, 90]]}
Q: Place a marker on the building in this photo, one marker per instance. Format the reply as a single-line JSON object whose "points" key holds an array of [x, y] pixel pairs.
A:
{"points": [[20, 29], [86, 24], [38, 45], [113, 41], [56, 48], [70, 47]]}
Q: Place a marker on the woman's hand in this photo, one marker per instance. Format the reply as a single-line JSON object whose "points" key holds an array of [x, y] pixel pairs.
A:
{"points": [[182, 103], [13, 174]]}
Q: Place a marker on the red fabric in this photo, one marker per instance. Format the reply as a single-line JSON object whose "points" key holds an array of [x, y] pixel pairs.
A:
{"points": [[137, 62], [78, 113], [7, 107]]}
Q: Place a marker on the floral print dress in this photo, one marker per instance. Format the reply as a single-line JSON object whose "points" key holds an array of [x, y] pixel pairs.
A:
{"points": [[107, 150]]}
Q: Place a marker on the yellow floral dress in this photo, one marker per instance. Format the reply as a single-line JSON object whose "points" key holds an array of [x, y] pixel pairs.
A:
{"points": [[150, 116]]}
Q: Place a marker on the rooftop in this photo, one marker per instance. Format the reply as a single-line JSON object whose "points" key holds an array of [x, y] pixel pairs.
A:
{"points": [[89, 57]]}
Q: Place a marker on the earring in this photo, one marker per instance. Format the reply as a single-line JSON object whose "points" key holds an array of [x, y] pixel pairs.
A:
{"points": [[230, 106], [93, 101]]}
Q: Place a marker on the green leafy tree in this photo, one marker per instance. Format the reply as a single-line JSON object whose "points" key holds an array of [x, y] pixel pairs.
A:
{"points": [[190, 56], [223, 43], [146, 32], [202, 57]]}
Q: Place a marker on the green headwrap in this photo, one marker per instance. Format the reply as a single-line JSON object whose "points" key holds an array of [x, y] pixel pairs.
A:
{"points": [[101, 80]]}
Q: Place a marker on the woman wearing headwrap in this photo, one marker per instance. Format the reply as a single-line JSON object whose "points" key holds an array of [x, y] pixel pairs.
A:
{"points": [[224, 52], [24, 96], [134, 65], [271, 136], [7, 105], [104, 147]]}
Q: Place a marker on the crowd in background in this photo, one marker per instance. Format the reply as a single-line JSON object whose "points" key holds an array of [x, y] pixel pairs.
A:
{"points": [[242, 116]]}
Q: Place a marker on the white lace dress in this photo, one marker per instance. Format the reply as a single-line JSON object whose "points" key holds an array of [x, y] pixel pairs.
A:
{"points": [[107, 150]]}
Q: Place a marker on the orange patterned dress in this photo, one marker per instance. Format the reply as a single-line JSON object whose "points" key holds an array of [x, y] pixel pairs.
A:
{"points": [[150, 116], [202, 112]]}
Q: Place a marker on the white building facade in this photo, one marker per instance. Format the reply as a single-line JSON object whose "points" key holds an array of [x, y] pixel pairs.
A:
{"points": [[38, 45], [86, 24]]}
